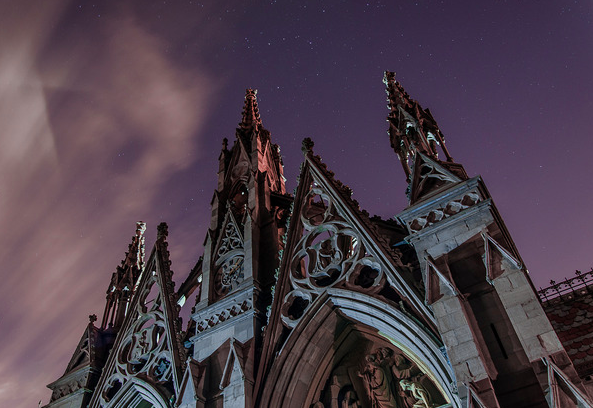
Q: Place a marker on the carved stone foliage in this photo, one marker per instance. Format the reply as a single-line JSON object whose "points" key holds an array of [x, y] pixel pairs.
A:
{"points": [[381, 377], [447, 210], [144, 351], [330, 253], [229, 259]]}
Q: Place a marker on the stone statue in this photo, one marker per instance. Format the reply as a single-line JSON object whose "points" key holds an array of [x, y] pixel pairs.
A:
{"points": [[397, 363], [399, 368], [378, 383], [418, 392], [350, 400], [390, 380]]}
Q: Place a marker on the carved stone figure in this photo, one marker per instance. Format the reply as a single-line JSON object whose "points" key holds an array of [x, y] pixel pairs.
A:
{"points": [[418, 392], [399, 365], [379, 384], [140, 348], [350, 400]]}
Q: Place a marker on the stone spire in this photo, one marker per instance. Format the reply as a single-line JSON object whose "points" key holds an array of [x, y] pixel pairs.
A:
{"points": [[124, 279], [251, 119], [411, 129], [162, 231]]}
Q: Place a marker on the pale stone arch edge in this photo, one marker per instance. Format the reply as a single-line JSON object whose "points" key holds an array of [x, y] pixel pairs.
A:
{"points": [[402, 332], [392, 324], [134, 392]]}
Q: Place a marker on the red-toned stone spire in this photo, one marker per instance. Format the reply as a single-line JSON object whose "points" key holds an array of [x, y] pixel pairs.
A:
{"points": [[411, 128], [251, 119]]}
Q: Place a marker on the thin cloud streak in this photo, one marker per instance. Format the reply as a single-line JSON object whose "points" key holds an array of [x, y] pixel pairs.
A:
{"points": [[104, 121], [124, 124]]}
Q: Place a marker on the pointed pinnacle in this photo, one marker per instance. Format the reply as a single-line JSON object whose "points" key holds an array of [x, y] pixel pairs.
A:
{"points": [[389, 77], [140, 228], [135, 254], [251, 118], [395, 92], [162, 231], [307, 146]]}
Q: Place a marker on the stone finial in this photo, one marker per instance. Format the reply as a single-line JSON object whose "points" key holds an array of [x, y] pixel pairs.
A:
{"points": [[225, 144], [92, 318], [162, 231], [251, 118], [411, 128], [140, 228], [307, 145], [389, 78]]}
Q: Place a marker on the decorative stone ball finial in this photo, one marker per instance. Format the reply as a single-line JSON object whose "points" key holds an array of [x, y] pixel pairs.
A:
{"points": [[92, 318]]}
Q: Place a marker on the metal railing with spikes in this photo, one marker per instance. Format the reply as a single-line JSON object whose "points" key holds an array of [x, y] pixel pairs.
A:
{"points": [[581, 283]]}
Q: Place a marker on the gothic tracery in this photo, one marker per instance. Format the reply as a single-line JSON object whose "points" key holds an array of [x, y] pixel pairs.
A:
{"points": [[229, 258], [144, 351], [329, 253]]}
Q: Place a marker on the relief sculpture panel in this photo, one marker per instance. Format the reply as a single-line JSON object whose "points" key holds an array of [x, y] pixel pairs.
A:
{"points": [[378, 377]]}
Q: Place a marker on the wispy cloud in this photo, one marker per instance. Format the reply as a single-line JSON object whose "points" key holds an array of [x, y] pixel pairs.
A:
{"points": [[88, 135]]}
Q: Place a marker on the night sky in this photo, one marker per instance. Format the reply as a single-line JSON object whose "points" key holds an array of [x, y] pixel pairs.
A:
{"points": [[114, 112]]}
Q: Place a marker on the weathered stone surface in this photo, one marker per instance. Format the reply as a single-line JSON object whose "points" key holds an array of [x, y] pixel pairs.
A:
{"points": [[306, 301]]}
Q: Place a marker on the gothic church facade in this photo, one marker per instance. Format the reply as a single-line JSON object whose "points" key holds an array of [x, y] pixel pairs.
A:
{"points": [[306, 301]]}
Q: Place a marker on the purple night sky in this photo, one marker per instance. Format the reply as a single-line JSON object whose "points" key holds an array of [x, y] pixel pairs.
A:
{"points": [[114, 112]]}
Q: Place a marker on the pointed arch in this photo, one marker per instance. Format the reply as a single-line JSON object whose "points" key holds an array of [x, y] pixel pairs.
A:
{"points": [[331, 244], [341, 323], [137, 393]]}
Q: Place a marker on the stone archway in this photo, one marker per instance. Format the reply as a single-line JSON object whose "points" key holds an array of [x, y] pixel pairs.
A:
{"points": [[138, 394], [347, 336], [366, 370]]}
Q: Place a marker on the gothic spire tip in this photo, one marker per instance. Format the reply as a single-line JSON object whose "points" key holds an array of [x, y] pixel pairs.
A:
{"points": [[251, 118], [307, 146], [389, 76], [140, 228], [162, 231], [411, 129]]}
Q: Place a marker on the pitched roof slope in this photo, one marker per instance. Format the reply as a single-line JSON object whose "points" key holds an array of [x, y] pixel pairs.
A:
{"points": [[572, 318]]}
